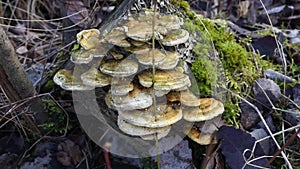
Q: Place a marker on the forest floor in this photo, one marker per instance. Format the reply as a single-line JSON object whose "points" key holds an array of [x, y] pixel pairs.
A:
{"points": [[43, 34]]}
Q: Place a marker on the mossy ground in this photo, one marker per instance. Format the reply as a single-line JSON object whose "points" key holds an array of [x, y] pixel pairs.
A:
{"points": [[240, 67]]}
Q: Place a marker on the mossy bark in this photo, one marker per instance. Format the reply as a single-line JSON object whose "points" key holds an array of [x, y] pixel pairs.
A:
{"points": [[14, 81]]}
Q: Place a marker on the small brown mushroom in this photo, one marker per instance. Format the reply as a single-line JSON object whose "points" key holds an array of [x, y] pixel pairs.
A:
{"points": [[201, 137]]}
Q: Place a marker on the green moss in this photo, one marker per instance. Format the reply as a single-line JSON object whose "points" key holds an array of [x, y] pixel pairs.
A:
{"points": [[204, 70], [231, 113], [57, 118], [238, 64], [235, 57], [49, 85], [75, 47]]}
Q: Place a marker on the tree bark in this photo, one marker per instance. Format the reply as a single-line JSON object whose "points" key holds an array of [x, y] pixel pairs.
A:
{"points": [[14, 81]]}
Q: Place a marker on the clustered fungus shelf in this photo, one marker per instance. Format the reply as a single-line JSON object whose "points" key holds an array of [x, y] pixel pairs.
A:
{"points": [[124, 59]]}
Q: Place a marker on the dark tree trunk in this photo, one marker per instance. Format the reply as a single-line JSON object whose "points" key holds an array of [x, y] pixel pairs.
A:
{"points": [[14, 81]]}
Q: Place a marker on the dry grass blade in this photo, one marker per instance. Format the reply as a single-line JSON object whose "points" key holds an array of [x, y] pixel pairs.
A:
{"points": [[290, 140]]}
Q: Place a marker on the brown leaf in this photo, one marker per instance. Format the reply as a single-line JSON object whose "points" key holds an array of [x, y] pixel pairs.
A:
{"points": [[243, 8], [75, 6], [72, 149], [234, 144]]}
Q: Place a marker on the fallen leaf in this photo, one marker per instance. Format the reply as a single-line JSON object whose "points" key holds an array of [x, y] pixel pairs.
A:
{"points": [[243, 8], [76, 6], [234, 146], [72, 150], [21, 50]]}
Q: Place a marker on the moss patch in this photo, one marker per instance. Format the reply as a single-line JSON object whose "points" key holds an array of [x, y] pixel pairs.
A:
{"points": [[238, 64], [204, 71]]}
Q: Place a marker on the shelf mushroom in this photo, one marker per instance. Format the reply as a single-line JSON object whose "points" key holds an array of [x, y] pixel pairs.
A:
{"points": [[146, 58], [171, 61], [88, 39], [119, 68], [145, 133], [93, 77], [186, 98], [208, 109], [118, 60], [138, 98], [164, 115], [121, 86], [175, 37], [201, 137], [117, 37], [164, 80], [66, 80]]}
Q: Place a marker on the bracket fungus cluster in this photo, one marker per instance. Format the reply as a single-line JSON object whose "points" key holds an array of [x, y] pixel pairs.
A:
{"points": [[124, 59]]}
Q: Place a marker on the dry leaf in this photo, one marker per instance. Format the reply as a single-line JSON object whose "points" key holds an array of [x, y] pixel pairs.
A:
{"points": [[21, 50], [234, 144], [75, 6], [243, 8], [72, 149]]}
